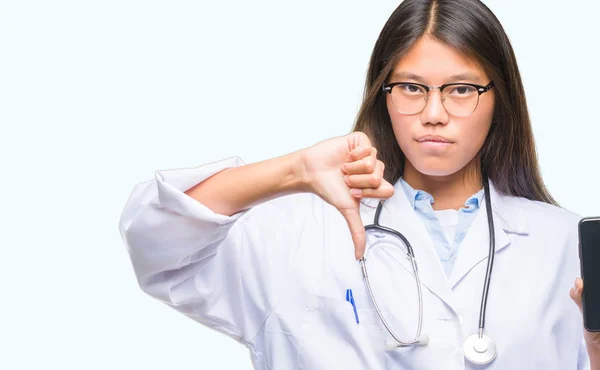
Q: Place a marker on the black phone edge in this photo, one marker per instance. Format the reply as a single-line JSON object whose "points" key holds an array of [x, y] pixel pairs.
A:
{"points": [[584, 219]]}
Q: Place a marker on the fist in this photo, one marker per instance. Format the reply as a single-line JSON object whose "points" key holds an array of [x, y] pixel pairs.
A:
{"points": [[342, 170]]}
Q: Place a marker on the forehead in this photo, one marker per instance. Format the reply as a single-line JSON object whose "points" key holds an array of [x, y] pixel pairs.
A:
{"points": [[437, 62]]}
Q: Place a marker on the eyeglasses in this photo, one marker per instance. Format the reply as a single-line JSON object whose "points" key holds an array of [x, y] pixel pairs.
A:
{"points": [[459, 99]]}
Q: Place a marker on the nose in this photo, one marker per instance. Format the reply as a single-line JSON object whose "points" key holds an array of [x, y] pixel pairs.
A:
{"points": [[434, 112]]}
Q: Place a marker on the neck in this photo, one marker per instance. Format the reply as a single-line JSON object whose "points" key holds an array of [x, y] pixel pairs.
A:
{"points": [[449, 191]]}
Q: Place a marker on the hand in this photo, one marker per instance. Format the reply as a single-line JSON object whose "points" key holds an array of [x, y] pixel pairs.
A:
{"points": [[342, 170], [592, 339]]}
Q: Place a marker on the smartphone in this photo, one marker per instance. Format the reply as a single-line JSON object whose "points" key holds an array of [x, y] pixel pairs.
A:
{"points": [[589, 256]]}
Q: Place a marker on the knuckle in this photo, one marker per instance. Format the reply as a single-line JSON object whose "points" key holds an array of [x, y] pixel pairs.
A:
{"points": [[384, 191], [389, 190], [375, 181], [369, 166]]}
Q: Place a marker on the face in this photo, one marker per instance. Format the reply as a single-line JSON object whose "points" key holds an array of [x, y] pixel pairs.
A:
{"points": [[459, 138]]}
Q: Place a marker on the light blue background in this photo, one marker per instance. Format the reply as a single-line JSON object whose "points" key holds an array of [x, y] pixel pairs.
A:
{"points": [[97, 95]]}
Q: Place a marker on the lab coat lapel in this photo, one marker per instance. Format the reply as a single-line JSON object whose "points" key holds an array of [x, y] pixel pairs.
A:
{"points": [[398, 214], [508, 218]]}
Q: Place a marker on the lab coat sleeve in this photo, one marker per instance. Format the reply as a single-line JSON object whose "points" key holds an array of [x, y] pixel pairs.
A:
{"points": [[222, 271]]}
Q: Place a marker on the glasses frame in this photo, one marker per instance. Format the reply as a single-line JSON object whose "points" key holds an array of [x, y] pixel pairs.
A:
{"points": [[387, 87]]}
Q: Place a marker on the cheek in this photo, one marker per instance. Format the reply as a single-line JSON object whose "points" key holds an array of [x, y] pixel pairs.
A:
{"points": [[403, 126], [472, 137]]}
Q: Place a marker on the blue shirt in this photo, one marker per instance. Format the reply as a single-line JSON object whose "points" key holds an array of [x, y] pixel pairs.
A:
{"points": [[421, 202]]}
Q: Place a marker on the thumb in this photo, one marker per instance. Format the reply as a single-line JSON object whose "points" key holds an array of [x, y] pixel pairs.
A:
{"points": [[577, 293], [357, 230]]}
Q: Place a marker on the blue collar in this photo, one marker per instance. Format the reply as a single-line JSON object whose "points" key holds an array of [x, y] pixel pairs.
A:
{"points": [[416, 197]]}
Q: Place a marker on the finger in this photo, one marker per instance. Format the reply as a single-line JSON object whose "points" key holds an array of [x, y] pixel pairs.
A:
{"points": [[576, 293], [386, 190], [358, 139], [359, 153], [371, 181], [357, 230], [365, 164], [363, 181]]}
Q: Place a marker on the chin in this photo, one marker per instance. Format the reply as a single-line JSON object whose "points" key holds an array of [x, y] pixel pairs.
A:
{"points": [[436, 167]]}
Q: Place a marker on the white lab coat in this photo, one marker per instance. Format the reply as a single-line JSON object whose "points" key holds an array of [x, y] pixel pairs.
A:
{"points": [[275, 277]]}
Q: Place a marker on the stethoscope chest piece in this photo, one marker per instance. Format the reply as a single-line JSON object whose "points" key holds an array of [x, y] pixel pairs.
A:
{"points": [[480, 350]]}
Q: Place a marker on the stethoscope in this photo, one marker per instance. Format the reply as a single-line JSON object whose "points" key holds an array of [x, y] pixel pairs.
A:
{"points": [[478, 347]]}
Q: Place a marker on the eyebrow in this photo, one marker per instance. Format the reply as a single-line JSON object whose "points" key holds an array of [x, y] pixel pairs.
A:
{"points": [[469, 76]]}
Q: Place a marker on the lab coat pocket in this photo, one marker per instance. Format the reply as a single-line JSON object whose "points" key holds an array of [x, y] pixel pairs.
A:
{"points": [[334, 340]]}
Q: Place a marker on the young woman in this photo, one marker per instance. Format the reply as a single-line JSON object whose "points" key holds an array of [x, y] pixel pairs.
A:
{"points": [[267, 252]]}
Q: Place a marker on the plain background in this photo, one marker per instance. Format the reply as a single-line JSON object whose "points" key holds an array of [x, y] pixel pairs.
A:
{"points": [[97, 95]]}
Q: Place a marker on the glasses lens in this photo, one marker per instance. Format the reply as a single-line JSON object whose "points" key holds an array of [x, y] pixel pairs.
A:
{"points": [[460, 100], [408, 98]]}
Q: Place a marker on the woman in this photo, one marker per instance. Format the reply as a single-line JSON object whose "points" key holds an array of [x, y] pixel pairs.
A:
{"points": [[267, 252]]}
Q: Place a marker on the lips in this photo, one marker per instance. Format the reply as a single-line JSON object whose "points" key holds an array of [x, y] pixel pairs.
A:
{"points": [[434, 139]]}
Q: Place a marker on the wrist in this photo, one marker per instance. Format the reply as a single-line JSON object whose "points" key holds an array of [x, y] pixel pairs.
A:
{"points": [[297, 179], [594, 355]]}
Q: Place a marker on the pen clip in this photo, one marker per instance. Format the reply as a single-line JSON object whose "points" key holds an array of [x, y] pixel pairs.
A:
{"points": [[350, 298]]}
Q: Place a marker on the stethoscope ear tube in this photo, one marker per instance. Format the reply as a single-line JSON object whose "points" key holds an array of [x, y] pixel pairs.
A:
{"points": [[491, 253], [480, 348]]}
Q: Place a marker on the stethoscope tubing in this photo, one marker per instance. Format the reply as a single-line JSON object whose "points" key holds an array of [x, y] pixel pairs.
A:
{"points": [[411, 255], [380, 314], [491, 254]]}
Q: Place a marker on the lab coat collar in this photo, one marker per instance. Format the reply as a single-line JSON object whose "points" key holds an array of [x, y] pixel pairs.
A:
{"points": [[398, 214], [509, 211], [508, 216]]}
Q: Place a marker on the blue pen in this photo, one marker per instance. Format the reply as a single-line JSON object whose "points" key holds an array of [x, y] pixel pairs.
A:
{"points": [[350, 299]]}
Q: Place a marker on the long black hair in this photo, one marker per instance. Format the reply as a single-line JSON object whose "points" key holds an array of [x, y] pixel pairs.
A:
{"points": [[508, 155]]}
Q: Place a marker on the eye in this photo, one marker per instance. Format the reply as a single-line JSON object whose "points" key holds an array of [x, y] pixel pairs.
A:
{"points": [[411, 89], [462, 90]]}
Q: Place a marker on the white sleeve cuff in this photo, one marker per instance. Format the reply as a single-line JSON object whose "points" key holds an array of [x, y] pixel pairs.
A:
{"points": [[172, 184]]}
